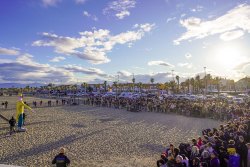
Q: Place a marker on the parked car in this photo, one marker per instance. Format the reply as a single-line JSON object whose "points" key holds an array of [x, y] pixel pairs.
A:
{"points": [[109, 94], [238, 100], [126, 95]]}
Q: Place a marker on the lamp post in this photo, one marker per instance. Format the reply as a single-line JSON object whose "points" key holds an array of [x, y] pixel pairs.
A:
{"points": [[205, 92], [118, 77], [133, 80]]}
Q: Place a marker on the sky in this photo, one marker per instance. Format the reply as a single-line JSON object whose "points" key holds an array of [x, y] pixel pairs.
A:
{"points": [[75, 41]]}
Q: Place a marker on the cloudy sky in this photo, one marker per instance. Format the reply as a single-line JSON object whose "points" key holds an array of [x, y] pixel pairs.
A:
{"points": [[69, 41]]}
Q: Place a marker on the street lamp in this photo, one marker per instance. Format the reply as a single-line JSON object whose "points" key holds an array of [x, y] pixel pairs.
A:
{"points": [[133, 80], [205, 92]]}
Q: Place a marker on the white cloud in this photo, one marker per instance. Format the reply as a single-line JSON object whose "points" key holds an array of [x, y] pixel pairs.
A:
{"points": [[183, 15], [188, 56], [87, 14], [183, 64], [160, 77], [4, 51], [161, 63], [230, 35], [124, 73], [25, 69], [89, 71], [235, 19], [6, 61], [187, 65], [198, 8], [50, 2], [120, 8], [92, 46], [122, 14], [170, 19], [57, 59], [242, 66], [81, 1]]}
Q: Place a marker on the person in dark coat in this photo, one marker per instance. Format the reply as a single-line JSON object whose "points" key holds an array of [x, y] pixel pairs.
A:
{"points": [[12, 123], [242, 150], [214, 162], [179, 161], [61, 160], [195, 162], [163, 160], [222, 156]]}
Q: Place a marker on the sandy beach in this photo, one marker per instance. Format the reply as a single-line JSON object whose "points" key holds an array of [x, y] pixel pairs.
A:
{"points": [[95, 137]]}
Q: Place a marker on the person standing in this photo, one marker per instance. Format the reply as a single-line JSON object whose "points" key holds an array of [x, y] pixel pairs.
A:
{"points": [[214, 162], [248, 155], [6, 104], [233, 159], [20, 111], [243, 151], [12, 123], [61, 160], [2, 105]]}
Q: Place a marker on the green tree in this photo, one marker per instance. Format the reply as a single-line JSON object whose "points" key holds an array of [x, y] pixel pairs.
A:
{"points": [[198, 83], [105, 86], [192, 82], [140, 86], [152, 80], [133, 81], [178, 82], [172, 85], [217, 82]]}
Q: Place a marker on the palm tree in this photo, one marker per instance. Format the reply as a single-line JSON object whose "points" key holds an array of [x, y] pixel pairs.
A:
{"points": [[193, 84], [188, 84], [178, 82], [208, 79], [152, 80], [183, 86], [105, 86], [133, 81], [115, 85], [217, 82], [198, 81], [84, 84], [140, 86], [166, 86], [172, 84]]}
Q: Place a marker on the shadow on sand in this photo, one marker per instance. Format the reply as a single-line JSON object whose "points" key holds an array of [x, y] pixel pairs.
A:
{"points": [[47, 147], [153, 147]]}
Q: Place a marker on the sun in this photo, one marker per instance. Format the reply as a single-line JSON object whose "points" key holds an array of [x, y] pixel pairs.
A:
{"points": [[229, 56]]}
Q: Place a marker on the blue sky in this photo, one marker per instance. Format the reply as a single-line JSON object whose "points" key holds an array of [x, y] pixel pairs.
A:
{"points": [[69, 41]]}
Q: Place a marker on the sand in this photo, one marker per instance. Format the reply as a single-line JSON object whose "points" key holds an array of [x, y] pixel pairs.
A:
{"points": [[95, 137]]}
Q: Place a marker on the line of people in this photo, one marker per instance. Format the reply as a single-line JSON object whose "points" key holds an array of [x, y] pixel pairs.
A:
{"points": [[216, 109]]}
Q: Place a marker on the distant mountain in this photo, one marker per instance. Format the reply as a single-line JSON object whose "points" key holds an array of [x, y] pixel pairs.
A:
{"points": [[18, 85]]}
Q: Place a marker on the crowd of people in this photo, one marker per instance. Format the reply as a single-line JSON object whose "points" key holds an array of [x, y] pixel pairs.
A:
{"points": [[219, 109], [214, 108], [225, 146]]}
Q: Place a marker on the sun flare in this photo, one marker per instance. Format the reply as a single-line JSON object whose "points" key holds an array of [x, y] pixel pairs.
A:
{"points": [[229, 56]]}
